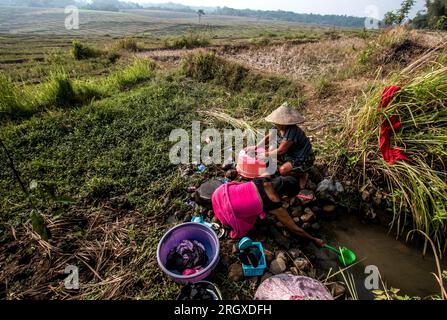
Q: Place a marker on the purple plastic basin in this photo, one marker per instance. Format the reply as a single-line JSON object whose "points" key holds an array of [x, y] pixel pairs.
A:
{"points": [[189, 231]]}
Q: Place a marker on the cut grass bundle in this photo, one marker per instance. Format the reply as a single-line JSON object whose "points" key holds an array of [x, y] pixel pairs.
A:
{"points": [[418, 186]]}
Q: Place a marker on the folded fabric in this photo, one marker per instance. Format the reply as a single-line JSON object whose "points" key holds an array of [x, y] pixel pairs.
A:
{"points": [[187, 255], [189, 272], [388, 128], [237, 205]]}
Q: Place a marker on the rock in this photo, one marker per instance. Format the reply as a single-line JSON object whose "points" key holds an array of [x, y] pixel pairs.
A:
{"points": [[285, 205], [306, 226], [377, 199], [295, 253], [294, 271], [269, 256], [316, 209], [215, 220], [191, 189], [326, 185], [226, 260], [279, 225], [329, 208], [326, 196], [311, 185], [187, 218], [308, 216], [266, 276], [235, 272], [337, 289], [234, 249], [339, 187], [227, 166], [301, 263], [296, 220], [297, 212], [179, 215], [365, 195], [371, 214], [231, 174], [316, 226], [281, 255], [294, 202], [279, 238], [278, 266]]}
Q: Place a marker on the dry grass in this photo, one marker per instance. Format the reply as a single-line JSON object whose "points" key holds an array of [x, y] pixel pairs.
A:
{"points": [[300, 61], [113, 249]]}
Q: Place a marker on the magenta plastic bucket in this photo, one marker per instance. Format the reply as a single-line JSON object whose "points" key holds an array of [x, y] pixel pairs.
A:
{"points": [[189, 231]]}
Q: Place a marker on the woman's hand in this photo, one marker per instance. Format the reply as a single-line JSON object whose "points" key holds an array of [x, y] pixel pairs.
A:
{"points": [[319, 242]]}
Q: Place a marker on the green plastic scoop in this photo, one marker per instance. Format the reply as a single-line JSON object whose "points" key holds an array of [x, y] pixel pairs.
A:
{"points": [[345, 256]]}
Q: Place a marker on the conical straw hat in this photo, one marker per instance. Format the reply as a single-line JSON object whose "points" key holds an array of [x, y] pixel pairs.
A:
{"points": [[285, 116]]}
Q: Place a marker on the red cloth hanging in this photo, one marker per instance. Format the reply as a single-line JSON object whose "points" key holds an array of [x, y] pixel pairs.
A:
{"points": [[388, 127]]}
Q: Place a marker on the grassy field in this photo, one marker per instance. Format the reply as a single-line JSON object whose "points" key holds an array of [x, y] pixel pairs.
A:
{"points": [[89, 137]]}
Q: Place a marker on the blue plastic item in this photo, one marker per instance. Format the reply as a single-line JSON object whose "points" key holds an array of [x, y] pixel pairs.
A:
{"points": [[250, 271], [245, 243], [201, 220]]}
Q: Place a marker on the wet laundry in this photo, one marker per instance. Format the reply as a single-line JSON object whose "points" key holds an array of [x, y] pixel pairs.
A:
{"points": [[187, 258], [251, 256]]}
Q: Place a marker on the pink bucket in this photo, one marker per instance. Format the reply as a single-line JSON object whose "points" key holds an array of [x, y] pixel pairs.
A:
{"points": [[250, 167]]}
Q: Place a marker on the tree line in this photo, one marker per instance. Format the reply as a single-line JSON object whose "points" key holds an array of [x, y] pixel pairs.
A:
{"points": [[433, 17]]}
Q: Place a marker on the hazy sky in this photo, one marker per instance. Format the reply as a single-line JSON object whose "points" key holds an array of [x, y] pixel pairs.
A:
{"points": [[349, 7]]}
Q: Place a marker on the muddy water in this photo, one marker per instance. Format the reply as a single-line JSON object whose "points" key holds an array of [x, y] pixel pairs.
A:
{"points": [[401, 265]]}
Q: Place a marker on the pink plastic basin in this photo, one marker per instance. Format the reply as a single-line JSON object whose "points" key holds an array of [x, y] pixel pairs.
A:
{"points": [[250, 167]]}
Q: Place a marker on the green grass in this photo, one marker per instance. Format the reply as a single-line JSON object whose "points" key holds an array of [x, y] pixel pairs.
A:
{"points": [[11, 103], [116, 146], [137, 71]]}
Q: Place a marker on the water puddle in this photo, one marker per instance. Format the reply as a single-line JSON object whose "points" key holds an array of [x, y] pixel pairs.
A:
{"points": [[401, 265]]}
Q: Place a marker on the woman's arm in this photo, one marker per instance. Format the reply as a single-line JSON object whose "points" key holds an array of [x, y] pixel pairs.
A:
{"points": [[282, 149], [287, 221], [263, 143]]}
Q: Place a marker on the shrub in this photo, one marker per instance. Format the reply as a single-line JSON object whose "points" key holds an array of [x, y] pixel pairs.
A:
{"points": [[323, 87], [129, 44], [112, 56], [60, 91], [206, 66], [188, 41], [80, 51]]}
